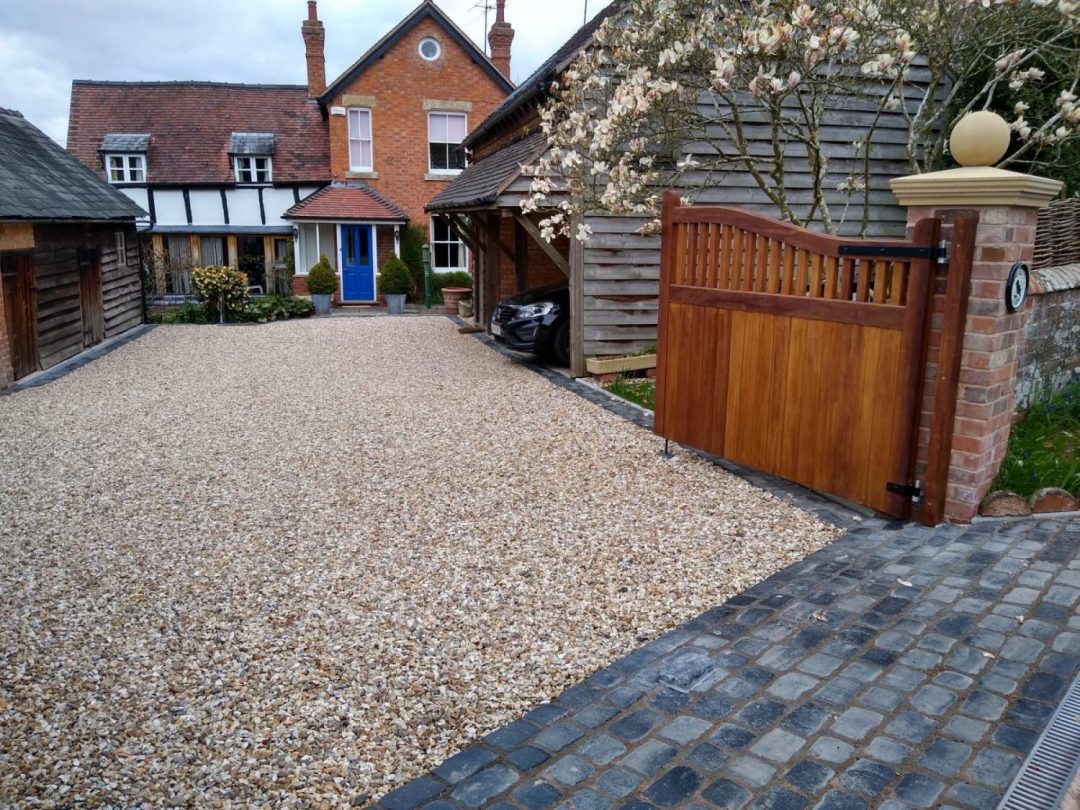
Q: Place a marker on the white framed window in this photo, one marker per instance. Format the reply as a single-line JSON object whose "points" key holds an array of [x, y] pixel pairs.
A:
{"points": [[254, 169], [446, 131], [448, 252], [121, 248], [126, 168], [360, 152], [429, 49]]}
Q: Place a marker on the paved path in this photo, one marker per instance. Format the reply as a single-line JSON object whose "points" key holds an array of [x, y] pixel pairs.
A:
{"points": [[899, 667]]}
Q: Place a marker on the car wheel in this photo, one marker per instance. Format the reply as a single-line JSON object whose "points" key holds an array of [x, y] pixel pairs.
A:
{"points": [[560, 344]]}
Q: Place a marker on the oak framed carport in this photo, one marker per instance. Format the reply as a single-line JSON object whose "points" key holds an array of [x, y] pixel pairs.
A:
{"points": [[483, 205]]}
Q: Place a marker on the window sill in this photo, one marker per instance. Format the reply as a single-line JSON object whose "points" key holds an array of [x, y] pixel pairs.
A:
{"points": [[362, 175], [443, 176]]}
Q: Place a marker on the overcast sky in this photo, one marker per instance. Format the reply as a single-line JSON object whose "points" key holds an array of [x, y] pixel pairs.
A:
{"points": [[44, 44]]}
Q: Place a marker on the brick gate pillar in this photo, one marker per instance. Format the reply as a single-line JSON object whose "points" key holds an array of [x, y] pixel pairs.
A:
{"points": [[974, 338]]}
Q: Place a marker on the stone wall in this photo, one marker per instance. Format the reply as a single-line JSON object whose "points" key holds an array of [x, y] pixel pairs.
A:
{"points": [[1050, 352]]}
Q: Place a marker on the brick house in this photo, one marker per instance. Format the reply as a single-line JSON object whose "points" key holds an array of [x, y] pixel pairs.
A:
{"points": [[396, 118], [69, 255], [229, 173]]}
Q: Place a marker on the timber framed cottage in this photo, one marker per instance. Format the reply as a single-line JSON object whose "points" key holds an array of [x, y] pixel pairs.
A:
{"points": [[69, 254], [613, 278], [231, 174]]}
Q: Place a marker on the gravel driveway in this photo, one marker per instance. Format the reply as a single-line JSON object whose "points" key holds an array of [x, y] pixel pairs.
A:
{"points": [[300, 563]]}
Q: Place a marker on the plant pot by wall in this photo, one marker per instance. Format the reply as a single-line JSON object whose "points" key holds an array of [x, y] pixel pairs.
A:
{"points": [[451, 297], [322, 303], [395, 303], [465, 307]]}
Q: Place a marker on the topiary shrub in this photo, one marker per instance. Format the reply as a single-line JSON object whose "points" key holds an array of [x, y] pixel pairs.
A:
{"points": [[395, 278], [216, 285], [321, 278]]}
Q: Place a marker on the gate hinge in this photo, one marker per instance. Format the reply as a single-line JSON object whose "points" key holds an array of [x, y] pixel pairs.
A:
{"points": [[913, 491], [943, 252]]}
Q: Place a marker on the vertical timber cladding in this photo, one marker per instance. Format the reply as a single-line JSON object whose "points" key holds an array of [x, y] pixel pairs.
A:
{"points": [[20, 310], [793, 352], [65, 276]]}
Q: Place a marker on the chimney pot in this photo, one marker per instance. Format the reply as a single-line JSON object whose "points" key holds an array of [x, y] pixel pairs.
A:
{"points": [[500, 11], [312, 10]]}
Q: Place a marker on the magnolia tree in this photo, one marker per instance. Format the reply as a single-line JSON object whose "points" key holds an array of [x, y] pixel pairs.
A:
{"points": [[752, 85]]}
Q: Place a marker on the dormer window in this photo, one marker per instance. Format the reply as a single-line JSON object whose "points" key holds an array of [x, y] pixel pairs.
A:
{"points": [[253, 170], [252, 157], [124, 157], [126, 168]]}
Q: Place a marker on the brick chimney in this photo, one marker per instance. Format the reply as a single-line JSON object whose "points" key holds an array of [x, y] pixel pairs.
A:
{"points": [[314, 37], [500, 37]]}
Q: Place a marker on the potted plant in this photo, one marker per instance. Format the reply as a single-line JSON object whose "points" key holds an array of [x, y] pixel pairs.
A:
{"points": [[322, 283], [395, 282]]}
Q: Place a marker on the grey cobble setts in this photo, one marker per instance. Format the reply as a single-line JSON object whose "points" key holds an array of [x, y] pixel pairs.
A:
{"points": [[899, 667]]}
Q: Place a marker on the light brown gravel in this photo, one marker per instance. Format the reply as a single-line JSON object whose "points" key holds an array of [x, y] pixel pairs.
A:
{"points": [[303, 562]]}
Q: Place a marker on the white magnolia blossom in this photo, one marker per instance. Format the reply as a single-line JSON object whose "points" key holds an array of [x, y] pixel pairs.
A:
{"points": [[617, 119]]}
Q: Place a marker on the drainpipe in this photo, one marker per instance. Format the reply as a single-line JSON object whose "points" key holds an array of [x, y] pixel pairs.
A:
{"points": [[426, 252]]}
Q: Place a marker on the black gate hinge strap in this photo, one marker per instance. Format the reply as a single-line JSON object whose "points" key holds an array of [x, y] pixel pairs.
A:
{"points": [[913, 491]]}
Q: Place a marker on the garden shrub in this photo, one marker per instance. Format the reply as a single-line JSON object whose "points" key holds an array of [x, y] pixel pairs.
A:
{"points": [[413, 239], [395, 278], [454, 278], [185, 313], [216, 284], [278, 308], [321, 278]]}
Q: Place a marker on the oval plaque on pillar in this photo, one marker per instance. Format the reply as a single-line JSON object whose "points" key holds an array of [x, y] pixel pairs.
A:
{"points": [[1016, 287]]}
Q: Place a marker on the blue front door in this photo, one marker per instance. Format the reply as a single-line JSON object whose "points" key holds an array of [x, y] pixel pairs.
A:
{"points": [[357, 263]]}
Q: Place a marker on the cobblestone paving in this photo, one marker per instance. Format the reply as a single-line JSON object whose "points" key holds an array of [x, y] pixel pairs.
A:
{"points": [[899, 667]]}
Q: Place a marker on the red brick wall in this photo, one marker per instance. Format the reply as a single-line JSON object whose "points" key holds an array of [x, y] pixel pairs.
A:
{"points": [[400, 82], [988, 369], [541, 270]]}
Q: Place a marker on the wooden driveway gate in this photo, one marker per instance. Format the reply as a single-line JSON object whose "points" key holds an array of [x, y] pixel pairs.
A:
{"points": [[793, 352]]}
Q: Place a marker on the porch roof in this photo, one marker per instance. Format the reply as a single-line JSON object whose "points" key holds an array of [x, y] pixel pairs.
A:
{"points": [[481, 183], [347, 202]]}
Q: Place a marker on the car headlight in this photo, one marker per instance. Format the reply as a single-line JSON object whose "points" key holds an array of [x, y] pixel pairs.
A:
{"points": [[534, 310]]}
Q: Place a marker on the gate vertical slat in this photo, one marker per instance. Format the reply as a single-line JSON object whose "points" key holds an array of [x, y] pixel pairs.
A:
{"points": [[847, 278]]}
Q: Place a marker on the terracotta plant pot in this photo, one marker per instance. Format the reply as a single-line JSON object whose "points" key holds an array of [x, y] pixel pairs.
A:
{"points": [[451, 297]]}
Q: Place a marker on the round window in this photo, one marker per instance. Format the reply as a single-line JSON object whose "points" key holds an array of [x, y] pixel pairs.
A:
{"points": [[430, 49]]}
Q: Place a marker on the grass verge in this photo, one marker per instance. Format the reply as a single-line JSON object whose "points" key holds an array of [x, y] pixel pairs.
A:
{"points": [[639, 390], [1044, 448]]}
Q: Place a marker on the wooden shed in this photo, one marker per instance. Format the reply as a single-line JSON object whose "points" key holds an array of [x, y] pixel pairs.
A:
{"points": [[69, 254]]}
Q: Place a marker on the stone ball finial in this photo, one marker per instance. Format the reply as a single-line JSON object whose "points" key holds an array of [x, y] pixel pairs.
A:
{"points": [[980, 139]]}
